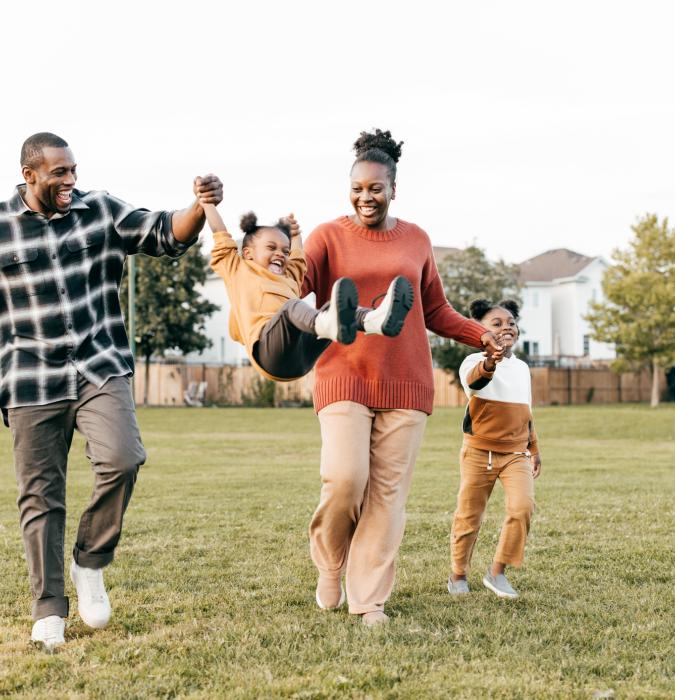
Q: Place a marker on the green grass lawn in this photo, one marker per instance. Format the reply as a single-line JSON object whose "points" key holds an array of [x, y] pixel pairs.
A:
{"points": [[213, 588]]}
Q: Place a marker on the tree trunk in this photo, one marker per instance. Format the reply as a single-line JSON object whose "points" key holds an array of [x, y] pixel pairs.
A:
{"points": [[147, 380], [656, 375]]}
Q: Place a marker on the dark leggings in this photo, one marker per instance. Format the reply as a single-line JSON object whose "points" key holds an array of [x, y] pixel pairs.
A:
{"points": [[288, 347]]}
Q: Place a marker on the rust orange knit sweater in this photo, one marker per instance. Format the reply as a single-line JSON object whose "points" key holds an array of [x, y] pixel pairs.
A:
{"points": [[377, 371]]}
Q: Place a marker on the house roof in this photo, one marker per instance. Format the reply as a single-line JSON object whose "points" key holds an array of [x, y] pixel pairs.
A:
{"points": [[553, 264], [442, 252]]}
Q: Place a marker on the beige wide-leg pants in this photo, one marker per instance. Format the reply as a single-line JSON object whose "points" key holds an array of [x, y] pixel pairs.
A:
{"points": [[367, 460]]}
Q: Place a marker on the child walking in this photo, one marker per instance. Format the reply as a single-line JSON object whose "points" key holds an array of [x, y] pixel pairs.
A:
{"points": [[499, 443], [283, 335]]}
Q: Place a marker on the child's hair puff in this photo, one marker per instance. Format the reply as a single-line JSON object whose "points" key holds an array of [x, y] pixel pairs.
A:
{"points": [[512, 306], [478, 308], [249, 225]]}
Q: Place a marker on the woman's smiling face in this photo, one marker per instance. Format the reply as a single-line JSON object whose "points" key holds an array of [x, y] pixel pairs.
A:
{"points": [[370, 194]]}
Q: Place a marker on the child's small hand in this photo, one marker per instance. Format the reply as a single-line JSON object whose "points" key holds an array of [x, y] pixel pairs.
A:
{"points": [[536, 465], [492, 357], [295, 226]]}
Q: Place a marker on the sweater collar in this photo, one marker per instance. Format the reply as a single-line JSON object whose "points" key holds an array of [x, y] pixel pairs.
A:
{"points": [[372, 235]]}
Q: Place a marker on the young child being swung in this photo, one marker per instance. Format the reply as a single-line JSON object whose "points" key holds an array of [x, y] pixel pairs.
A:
{"points": [[283, 335], [499, 443]]}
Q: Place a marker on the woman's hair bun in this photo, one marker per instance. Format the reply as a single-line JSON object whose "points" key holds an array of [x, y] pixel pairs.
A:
{"points": [[479, 307], [380, 140], [511, 306], [248, 222]]}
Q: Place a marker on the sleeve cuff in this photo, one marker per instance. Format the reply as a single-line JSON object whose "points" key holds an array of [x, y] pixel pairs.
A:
{"points": [[484, 372]]}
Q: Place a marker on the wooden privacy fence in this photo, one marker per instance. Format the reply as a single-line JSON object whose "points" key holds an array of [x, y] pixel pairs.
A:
{"points": [[556, 386], [238, 386]]}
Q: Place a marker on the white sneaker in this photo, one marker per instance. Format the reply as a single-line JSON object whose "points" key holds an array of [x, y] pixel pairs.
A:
{"points": [[92, 600], [499, 585], [338, 321], [458, 587], [388, 317], [49, 632]]}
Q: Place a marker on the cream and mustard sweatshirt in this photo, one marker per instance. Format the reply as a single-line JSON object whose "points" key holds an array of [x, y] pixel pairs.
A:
{"points": [[499, 414]]}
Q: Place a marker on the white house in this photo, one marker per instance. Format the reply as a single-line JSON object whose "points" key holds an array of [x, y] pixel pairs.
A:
{"points": [[223, 349], [558, 286]]}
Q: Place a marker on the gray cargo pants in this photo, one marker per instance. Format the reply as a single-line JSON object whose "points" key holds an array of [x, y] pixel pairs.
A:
{"points": [[42, 435]]}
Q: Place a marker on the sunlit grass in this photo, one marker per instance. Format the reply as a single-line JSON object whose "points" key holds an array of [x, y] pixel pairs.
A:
{"points": [[213, 588]]}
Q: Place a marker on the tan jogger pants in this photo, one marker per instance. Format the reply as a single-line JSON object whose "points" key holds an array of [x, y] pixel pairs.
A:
{"points": [[476, 484], [367, 461]]}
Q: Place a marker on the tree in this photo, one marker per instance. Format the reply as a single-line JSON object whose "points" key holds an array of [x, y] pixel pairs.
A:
{"points": [[638, 312], [468, 274], [170, 313]]}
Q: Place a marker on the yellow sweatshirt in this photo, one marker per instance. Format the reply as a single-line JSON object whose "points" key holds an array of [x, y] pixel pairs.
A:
{"points": [[255, 294]]}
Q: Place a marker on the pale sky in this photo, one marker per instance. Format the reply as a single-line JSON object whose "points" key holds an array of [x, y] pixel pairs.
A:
{"points": [[527, 125]]}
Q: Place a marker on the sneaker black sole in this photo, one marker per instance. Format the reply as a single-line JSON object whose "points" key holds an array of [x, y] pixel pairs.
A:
{"points": [[347, 303], [402, 302]]}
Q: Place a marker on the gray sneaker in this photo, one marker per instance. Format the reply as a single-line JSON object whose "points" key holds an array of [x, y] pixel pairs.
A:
{"points": [[499, 585], [458, 587]]}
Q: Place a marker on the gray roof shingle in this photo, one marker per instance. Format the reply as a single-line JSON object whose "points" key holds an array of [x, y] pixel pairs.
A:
{"points": [[553, 264]]}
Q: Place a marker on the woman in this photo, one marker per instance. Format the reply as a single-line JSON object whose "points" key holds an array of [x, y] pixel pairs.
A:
{"points": [[373, 396]]}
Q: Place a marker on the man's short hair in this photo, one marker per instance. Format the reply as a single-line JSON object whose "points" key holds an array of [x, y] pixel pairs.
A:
{"points": [[31, 151]]}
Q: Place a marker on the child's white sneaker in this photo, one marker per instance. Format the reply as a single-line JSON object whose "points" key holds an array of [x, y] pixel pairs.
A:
{"points": [[338, 321], [499, 585], [49, 632], [388, 317], [458, 587], [92, 599]]}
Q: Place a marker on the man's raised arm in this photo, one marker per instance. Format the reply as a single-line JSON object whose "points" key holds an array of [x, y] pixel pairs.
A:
{"points": [[187, 223]]}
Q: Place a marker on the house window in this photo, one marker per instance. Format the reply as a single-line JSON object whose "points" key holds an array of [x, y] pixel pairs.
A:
{"points": [[594, 294], [535, 299], [587, 345], [530, 347], [222, 348]]}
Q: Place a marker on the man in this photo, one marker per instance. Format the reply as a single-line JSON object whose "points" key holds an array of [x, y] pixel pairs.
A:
{"points": [[65, 364]]}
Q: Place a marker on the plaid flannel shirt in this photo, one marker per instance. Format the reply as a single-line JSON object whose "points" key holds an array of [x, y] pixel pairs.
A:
{"points": [[60, 311]]}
